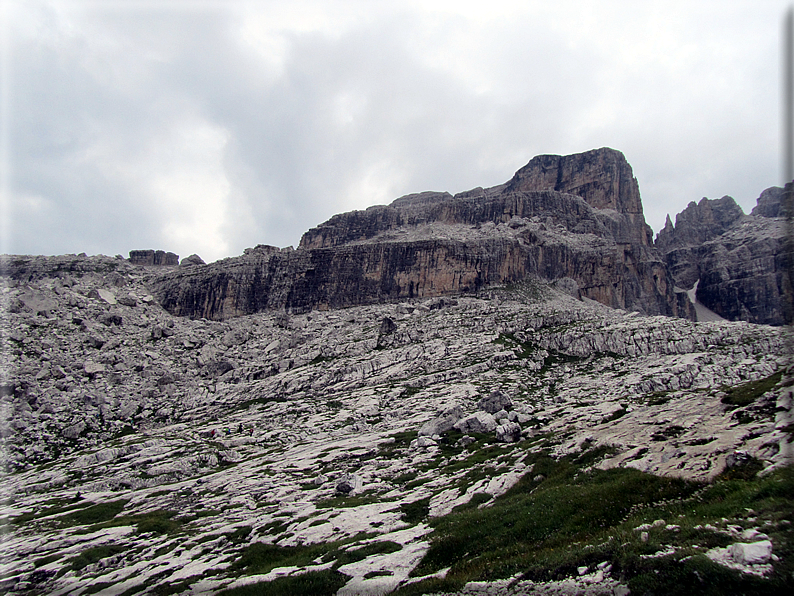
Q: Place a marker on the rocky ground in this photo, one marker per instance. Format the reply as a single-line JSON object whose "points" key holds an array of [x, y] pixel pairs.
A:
{"points": [[146, 453]]}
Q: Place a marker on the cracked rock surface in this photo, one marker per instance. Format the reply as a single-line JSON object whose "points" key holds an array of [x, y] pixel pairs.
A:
{"points": [[169, 445]]}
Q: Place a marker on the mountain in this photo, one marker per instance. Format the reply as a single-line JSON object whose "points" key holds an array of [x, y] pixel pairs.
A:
{"points": [[512, 425], [576, 220], [738, 261]]}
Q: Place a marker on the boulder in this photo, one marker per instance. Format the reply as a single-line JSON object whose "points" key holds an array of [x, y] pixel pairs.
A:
{"points": [[127, 300], [193, 259], [422, 443], [752, 553], [92, 368], [387, 326], [479, 422], [441, 423], [494, 402], [105, 296], [347, 484], [235, 337], [508, 432], [216, 368]]}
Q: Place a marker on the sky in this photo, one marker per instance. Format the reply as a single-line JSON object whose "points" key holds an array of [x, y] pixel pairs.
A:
{"points": [[209, 127]]}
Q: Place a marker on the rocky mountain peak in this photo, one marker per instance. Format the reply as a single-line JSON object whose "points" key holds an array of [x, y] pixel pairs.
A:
{"points": [[602, 177], [734, 262], [700, 222], [587, 231]]}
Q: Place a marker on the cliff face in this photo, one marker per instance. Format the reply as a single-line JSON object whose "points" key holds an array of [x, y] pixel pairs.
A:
{"points": [[737, 260], [587, 227]]}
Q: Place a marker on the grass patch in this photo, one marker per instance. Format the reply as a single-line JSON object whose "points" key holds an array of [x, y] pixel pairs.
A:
{"points": [[430, 586], [657, 398], [97, 513], [563, 515], [94, 554], [262, 558], [160, 522], [58, 506], [743, 395], [406, 477], [46, 560], [416, 511], [240, 535], [314, 583], [343, 501]]}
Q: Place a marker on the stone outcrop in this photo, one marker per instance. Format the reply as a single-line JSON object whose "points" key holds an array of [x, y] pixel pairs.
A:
{"points": [[586, 228], [770, 203], [737, 260], [153, 257]]}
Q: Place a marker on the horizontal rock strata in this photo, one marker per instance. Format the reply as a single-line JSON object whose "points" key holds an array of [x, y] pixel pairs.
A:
{"points": [[587, 227]]}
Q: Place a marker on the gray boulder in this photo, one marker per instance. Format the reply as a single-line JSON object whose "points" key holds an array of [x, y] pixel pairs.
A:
{"points": [[494, 402], [508, 432], [193, 259], [479, 422], [751, 553], [443, 423], [347, 484]]}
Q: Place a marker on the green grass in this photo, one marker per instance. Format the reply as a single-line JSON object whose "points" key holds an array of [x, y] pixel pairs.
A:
{"points": [[97, 513], [263, 558], [344, 557], [344, 501], [544, 530], [160, 522], [416, 511], [57, 506], [314, 583], [744, 395], [94, 554]]}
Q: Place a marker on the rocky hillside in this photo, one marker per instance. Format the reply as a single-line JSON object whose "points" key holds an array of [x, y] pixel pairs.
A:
{"points": [[736, 260], [514, 440], [575, 219]]}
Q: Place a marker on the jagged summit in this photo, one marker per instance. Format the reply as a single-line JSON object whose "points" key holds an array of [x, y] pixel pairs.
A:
{"points": [[736, 260]]}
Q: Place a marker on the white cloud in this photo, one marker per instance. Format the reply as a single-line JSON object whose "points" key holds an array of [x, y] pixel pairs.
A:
{"points": [[208, 127]]}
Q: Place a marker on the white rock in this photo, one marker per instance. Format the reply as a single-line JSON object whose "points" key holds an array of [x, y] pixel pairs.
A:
{"points": [[751, 553]]}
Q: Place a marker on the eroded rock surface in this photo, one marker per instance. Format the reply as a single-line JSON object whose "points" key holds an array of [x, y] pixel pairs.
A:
{"points": [[249, 431]]}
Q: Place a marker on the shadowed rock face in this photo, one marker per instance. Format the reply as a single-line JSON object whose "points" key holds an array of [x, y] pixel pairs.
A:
{"points": [[738, 259], [433, 244]]}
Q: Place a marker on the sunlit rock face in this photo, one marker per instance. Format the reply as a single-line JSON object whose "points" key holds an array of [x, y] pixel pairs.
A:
{"points": [[737, 260], [577, 217]]}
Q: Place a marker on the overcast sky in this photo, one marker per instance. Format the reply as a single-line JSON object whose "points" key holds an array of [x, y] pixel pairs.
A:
{"points": [[206, 127]]}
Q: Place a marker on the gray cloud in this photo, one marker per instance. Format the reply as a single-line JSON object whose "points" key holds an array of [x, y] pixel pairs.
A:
{"points": [[215, 128]]}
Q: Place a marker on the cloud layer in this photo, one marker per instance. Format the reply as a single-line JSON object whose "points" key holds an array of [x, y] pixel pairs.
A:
{"points": [[211, 127]]}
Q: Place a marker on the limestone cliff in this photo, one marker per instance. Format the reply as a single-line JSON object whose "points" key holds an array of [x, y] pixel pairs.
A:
{"points": [[587, 227], [737, 260]]}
